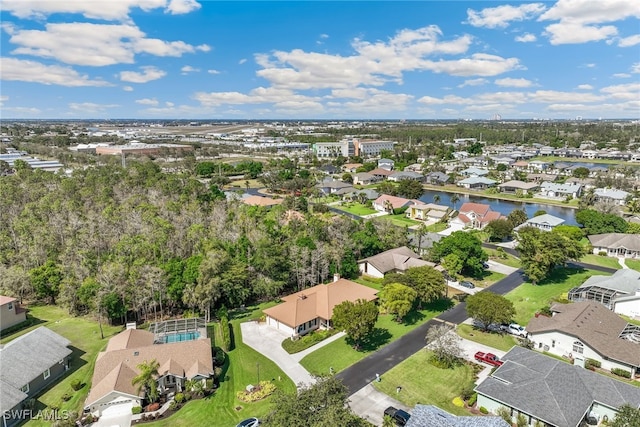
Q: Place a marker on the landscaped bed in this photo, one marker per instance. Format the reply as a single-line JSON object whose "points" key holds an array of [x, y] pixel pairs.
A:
{"points": [[309, 340]]}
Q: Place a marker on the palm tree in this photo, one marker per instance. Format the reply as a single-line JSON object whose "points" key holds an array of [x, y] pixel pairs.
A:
{"points": [[147, 379], [436, 199], [454, 199], [388, 206]]}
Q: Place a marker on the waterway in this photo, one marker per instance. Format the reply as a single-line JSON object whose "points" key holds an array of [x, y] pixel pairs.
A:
{"points": [[503, 206]]}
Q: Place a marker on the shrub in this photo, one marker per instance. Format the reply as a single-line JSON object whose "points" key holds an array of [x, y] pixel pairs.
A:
{"points": [[457, 401], [264, 389], [219, 357], [173, 405], [602, 253], [66, 397], [483, 410], [208, 384], [226, 333], [592, 364], [136, 410], [76, 385], [309, 340], [54, 407], [153, 407], [466, 392], [179, 398], [621, 372], [472, 400]]}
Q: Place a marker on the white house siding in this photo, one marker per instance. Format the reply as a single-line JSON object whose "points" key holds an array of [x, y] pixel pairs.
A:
{"points": [[369, 270], [601, 411], [280, 326], [628, 308], [492, 406], [613, 252], [563, 345]]}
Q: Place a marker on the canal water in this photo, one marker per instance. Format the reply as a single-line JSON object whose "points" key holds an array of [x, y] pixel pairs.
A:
{"points": [[503, 206]]}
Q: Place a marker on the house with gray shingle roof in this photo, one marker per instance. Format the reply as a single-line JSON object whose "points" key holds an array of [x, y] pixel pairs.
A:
{"points": [[543, 222], [619, 292], [616, 244], [551, 391], [392, 261], [588, 329], [432, 416], [30, 363], [551, 189], [611, 194], [477, 182]]}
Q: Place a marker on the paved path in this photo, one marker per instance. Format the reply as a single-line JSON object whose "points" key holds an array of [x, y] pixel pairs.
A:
{"points": [[369, 403], [500, 268], [622, 263]]}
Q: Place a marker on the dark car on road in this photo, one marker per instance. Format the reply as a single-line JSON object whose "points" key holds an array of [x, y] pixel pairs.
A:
{"points": [[467, 284], [398, 415]]}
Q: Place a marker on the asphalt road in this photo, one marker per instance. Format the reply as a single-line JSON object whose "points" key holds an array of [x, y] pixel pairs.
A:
{"points": [[364, 372]]}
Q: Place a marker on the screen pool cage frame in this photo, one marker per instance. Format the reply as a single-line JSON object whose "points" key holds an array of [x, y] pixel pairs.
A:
{"points": [[178, 326]]}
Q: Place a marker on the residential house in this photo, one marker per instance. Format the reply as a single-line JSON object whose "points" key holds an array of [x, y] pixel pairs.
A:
{"points": [[112, 393], [437, 178], [312, 308], [355, 194], [30, 363], [351, 167], [385, 203], [474, 172], [392, 261], [543, 222], [432, 416], [478, 162], [329, 169], [380, 173], [332, 186], [616, 244], [585, 182], [538, 166], [427, 212], [264, 201], [588, 329], [386, 164], [619, 197], [512, 187], [477, 183], [364, 178], [520, 165], [421, 244], [551, 189], [399, 176], [552, 392], [619, 292], [416, 167], [11, 313], [541, 177], [475, 215]]}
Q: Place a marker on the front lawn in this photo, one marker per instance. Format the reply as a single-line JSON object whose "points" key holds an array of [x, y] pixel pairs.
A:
{"points": [[601, 261], [356, 208], [502, 342], [240, 371], [437, 227], [503, 258], [528, 298], [633, 263], [84, 334], [371, 282], [340, 355], [423, 383], [488, 278], [400, 220]]}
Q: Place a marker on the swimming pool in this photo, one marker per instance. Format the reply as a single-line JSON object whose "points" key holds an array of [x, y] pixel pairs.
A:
{"points": [[181, 336]]}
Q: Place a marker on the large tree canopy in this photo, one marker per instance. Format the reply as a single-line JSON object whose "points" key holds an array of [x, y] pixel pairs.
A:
{"points": [[489, 308], [357, 319], [466, 246], [595, 222]]}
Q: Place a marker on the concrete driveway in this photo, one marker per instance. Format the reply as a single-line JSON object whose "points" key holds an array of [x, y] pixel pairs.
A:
{"points": [[500, 268], [451, 229], [470, 348], [369, 403]]}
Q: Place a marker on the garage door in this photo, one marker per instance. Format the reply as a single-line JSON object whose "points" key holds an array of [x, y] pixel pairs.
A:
{"points": [[118, 415]]}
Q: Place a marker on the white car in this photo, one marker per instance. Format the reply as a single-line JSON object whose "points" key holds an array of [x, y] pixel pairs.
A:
{"points": [[515, 329]]}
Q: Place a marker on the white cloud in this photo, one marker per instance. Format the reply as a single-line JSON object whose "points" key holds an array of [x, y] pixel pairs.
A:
{"points": [[213, 71], [260, 95], [628, 91], [629, 41], [552, 96], [622, 75], [324, 36], [242, 61], [479, 64], [585, 87], [501, 16], [526, 38], [510, 82], [147, 101], [189, 69], [115, 10], [127, 88], [91, 107], [148, 74], [36, 72], [84, 43], [635, 68], [580, 21], [169, 104], [3, 99], [21, 111], [474, 82]]}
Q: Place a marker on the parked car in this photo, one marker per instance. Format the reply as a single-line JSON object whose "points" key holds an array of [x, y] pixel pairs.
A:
{"points": [[494, 327], [485, 265], [467, 284], [398, 415], [249, 422], [488, 358], [515, 329]]}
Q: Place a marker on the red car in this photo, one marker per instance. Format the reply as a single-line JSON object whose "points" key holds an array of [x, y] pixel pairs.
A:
{"points": [[488, 358]]}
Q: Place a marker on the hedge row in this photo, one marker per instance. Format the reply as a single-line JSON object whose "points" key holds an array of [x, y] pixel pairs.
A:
{"points": [[226, 333], [621, 372]]}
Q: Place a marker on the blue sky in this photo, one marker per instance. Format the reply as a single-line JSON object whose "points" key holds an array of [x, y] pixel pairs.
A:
{"points": [[193, 59]]}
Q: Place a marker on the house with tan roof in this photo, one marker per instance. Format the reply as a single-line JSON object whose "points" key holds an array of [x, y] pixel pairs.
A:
{"points": [[385, 202], [475, 216], [512, 187], [427, 212], [312, 308], [263, 201], [112, 391], [588, 329], [395, 260]]}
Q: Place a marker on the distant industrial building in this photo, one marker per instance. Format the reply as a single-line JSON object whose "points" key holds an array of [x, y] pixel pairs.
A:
{"points": [[142, 148]]}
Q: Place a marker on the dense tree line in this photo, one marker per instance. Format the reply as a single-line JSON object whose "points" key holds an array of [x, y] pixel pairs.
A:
{"points": [[134, 242]]}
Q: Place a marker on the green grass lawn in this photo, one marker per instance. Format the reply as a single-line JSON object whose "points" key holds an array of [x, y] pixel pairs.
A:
{"points": [[437, 227], [488, 278], [400, 220], [505, 259], [528, 298], [340, 355], [432, 386], [602, 261], [356, 208], [371, 282], [633, 263], [502, 342], [84, 334], [241, 370]]}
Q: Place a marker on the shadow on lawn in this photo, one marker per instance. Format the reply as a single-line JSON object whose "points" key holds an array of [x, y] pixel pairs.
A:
{"points": [[376, 339], [561, 274]]}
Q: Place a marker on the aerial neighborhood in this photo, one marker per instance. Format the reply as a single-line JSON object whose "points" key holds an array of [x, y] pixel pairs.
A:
{"points": [[356, 273]]}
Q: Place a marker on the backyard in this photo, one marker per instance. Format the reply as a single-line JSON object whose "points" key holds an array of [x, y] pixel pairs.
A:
{"points": [[433, 386], [339, 354], [528, 298], [356, 208], [84, 334]]}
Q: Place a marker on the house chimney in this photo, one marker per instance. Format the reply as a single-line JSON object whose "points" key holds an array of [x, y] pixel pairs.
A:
{"points": [[336, 277]]}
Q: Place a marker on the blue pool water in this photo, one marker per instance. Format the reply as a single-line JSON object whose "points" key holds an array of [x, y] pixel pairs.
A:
{"points": [[181, 336]]}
